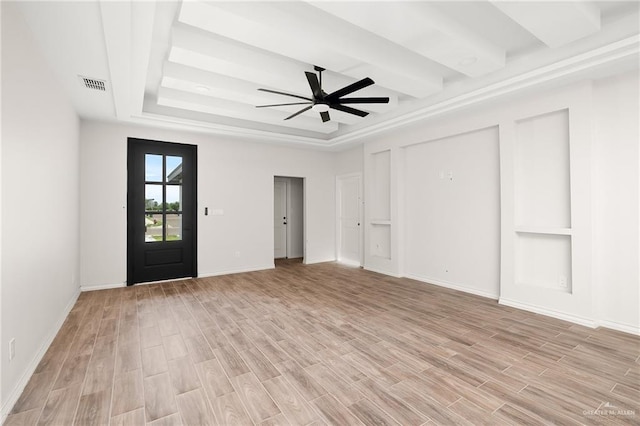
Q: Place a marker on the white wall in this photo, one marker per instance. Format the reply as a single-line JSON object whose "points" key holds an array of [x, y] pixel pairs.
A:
{"points": [[617, 213], [606, 195], [452, 212], [233, 175], [40, 205], [349, 161]]}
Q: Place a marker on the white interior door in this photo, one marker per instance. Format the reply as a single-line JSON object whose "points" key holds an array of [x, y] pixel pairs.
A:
{"points": [[279, 219], [349, 213]]}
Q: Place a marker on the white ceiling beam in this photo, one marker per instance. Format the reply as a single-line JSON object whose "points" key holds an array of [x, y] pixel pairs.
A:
{"points": [[142, 14], [116, 24], [300, 31], [220, 56], [555, 23], [309, 120], [271, 81], [421, 28], [204, 83]]}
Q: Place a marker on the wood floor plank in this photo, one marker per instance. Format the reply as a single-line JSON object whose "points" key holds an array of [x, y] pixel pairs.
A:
{"points": [[36, 392], [271, 351], [24, 418], [128, 356], [73, 370], [195, 409], [53, 359], [471, 413], [213, 379], [128, 393], [171, 420], [183, 375], [257, 401], [301, 380], [370, 414], [154, 361], [345, 345], [174, 347], [60, 408], [291, 403], [342, 390], [159, 400], [198, 348], [231, 361], [279, 420], [228, 410], [259, 364], [130, 418], [335, 413], [94, 408]]}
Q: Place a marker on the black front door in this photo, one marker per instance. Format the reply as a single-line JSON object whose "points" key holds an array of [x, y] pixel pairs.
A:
{"points": [[161, 211]]}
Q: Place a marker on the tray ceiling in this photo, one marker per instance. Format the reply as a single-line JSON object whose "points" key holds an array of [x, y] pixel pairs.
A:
{"points": [[199, 65]]}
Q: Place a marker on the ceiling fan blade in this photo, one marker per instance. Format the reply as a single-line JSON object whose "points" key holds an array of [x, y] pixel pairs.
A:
{"points": [[325, 116], [313, 83], [299, 112], [349, 89], [275, 105], [286, 94], [349, 110], [362, 101]]}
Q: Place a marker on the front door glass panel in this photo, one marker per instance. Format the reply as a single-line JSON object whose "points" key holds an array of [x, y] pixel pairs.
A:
{"points": [[163, 198]]}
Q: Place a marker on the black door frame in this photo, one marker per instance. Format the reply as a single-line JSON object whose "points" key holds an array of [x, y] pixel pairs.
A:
{"points": [[134, 144]]}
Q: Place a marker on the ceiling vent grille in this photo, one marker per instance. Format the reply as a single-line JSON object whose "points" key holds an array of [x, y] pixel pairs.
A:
{"points": [[94, 84]]}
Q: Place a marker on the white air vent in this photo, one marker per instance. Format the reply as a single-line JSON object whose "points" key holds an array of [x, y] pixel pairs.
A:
{"points": [[94, 83]]}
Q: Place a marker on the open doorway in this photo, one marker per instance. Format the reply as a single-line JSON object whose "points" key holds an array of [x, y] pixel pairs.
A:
{"points": [[288, 219]]}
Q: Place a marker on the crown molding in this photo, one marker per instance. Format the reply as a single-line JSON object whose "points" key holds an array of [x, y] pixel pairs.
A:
{"points": [[562, 69]]}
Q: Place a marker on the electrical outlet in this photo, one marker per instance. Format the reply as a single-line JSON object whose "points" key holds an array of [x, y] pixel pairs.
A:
{"points": [[237, 254], [562, 282], [12, 349]]}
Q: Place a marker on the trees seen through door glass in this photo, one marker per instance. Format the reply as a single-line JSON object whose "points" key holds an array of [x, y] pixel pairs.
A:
{"points": [[163, 198]]}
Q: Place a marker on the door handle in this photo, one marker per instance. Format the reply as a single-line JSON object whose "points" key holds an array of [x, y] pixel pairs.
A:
{"points": [[284, 223]]}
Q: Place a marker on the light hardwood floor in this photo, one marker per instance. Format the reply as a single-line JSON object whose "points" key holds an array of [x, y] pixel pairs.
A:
{"points": [[324, 344]]}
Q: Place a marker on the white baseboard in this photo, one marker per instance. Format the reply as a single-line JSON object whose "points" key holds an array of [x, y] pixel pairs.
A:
{"points": [[22, 383], [353, 263], [319, 260], [618, 326], [454, 286], [102, 287], [381, 271], [237, 271], [587, 322]]}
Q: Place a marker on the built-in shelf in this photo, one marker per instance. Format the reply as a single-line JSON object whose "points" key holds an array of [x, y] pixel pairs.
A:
{"points": [[380, 222], [543, 230]]}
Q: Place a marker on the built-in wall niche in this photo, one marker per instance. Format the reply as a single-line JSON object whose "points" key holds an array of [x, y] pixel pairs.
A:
{"points": [[543, 187], [380, 204], [543, 201], [544, 261], [380, 240]]}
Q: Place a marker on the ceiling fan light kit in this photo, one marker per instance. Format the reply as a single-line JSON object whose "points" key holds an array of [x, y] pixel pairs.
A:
{"points": [[322, 102]]}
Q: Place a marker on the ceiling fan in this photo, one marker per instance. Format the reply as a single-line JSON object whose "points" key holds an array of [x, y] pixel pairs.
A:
{"points": [[322, 102]]}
